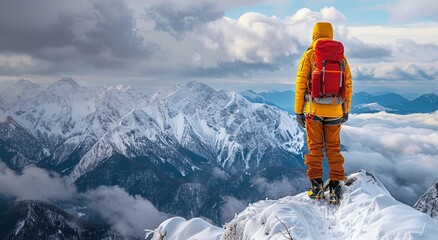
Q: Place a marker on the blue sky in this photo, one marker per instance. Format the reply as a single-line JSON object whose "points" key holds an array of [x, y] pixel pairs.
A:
{"points": [[358, 12], [234, 45]]}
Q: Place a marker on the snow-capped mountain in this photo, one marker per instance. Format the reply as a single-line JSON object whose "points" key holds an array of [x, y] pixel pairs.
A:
{"points": [[16, 93], [428, 202], [238, 133], [370, 108], [367, 211], [38, 220], [222, 127], [165, 148]]}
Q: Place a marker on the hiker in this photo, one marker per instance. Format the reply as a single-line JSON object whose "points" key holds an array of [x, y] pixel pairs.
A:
{"points": [[322, 103]]}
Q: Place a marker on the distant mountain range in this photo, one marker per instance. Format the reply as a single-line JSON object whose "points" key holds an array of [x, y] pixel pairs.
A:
{"points": [[186, 150], [362, 102]]}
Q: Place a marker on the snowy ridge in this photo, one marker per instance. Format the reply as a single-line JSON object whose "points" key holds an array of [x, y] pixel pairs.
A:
{"points": [[367, 211]]}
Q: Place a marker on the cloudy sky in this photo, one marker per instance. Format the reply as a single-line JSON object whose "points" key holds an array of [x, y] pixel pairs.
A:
{"points": [[229, 44]]}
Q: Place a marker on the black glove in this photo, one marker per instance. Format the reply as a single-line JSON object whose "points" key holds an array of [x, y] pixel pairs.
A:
{"points": [[345, 117], [301, 120]]}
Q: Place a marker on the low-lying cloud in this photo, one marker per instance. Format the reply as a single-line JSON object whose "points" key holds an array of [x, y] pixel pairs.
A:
{"points": [[34, 184], [278, 188], [128, 215], [401, 150], [231, 207]]}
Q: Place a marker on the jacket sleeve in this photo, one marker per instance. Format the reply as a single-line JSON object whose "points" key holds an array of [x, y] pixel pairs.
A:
{"points": [[349, 86], [303, 75]]}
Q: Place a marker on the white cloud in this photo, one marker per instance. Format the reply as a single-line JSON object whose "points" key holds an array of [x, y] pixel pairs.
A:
{"points": [[231, 207], [34, 184], [256, 42], [418, 32], [278, 188], [402, 150], [219, 173], [252, 38], [404, 10], [128, 215], [394, 71]]}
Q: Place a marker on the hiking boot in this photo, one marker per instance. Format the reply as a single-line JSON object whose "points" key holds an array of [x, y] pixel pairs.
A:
{"points": [[316, 190], [335, 192]]}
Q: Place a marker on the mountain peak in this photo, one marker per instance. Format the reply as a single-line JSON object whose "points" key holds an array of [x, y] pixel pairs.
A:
{"points": [[191, 91], [68, 81], [198, 86], [64, 86], [431, 97], [24, 82]]}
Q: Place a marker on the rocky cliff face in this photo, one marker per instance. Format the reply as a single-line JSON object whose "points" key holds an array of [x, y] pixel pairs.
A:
{"points": [[428, 202]]}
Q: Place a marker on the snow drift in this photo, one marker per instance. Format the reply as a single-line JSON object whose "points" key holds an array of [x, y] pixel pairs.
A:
{"points": [[367, 211]]}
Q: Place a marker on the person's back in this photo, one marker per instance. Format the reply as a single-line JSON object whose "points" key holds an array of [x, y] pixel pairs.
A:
{"points": [[322, 119]]}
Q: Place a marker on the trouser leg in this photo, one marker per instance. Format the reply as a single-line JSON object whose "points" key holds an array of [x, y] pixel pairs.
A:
{"points": [[333, 151], [314, 131]]}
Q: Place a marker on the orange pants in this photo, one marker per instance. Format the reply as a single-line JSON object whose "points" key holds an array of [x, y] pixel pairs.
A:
{"points": [[324, 132]]}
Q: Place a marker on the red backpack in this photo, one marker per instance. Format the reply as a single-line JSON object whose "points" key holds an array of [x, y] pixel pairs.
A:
{"points": [[327, 85]]}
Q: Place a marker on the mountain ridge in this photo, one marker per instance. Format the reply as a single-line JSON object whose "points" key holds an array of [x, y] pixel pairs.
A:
{"points": [[367, 211]]}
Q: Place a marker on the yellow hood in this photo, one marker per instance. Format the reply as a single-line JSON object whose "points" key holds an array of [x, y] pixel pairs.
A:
{"points": [[322, 30]]}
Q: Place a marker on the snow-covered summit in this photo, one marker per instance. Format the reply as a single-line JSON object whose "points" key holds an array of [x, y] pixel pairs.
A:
{"points": [[428, 202], [367, 211], [17, 93], [370, 108]]}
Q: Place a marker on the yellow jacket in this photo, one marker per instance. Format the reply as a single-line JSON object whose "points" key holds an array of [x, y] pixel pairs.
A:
{"points": [[304, 73]]}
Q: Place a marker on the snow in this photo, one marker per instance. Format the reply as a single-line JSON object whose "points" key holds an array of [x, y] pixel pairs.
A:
{"points": [[179, 123], [374, 107], [192, 229], [100, 151], [19, 227], [367, 211]]}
